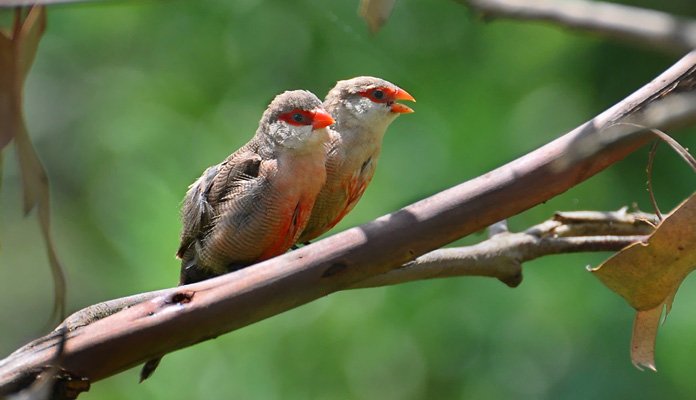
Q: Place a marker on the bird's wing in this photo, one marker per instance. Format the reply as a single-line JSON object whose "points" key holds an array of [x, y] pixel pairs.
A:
{"points": [[206, 193]]}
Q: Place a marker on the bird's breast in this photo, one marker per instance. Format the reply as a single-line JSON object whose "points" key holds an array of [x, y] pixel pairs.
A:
{"points": [[300, 176]]}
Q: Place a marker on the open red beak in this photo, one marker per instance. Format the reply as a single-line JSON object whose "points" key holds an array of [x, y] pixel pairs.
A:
{"points": [[401, 94], [321, 119]]}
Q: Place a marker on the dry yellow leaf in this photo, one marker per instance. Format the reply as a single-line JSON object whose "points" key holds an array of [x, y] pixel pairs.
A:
{"points": [[645, 274], [648, 275]]}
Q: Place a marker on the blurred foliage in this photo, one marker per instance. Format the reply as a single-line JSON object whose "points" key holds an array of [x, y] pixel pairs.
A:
{"points": [[129, 101]]}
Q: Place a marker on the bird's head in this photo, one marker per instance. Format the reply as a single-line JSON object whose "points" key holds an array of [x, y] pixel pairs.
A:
{"points": [[372, 101], [295, 119]]}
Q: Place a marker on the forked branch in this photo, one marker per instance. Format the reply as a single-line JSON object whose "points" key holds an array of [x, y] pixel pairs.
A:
{"points": [[502, 255], [182, 316]]}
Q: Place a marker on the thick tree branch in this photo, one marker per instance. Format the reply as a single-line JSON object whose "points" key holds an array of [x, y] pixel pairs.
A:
{"points": [[183, 316], [645, 27], [567, 232]]}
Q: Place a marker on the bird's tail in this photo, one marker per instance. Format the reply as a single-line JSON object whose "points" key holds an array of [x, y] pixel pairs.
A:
{"points": [[190, 273], [149, 368]]}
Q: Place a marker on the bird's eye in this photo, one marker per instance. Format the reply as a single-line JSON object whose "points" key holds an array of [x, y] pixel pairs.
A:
{"points": [[378, 95], [297, 117]]}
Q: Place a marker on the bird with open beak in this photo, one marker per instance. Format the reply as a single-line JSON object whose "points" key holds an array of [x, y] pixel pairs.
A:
{"points": [[363, 108]]}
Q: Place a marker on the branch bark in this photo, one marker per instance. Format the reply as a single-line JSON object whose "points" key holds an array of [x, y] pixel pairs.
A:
{"points": [[182, 316], [644, 27], [502, 255]]}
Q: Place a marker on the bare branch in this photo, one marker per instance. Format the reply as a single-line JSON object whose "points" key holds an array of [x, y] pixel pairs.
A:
{"points": [[645, 27], [26, 3], [592, 223], [502, 255], [567, 232], [182, 316]]}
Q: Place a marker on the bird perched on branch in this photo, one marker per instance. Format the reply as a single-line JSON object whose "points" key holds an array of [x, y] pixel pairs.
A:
{"points": [[254, 205], [363, 107]]}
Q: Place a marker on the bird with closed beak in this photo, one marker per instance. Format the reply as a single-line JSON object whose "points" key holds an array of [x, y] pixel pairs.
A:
{"points": [[254, 205]]}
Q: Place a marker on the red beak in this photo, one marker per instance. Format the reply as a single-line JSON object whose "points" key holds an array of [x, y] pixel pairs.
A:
{"points": [[321, 119], [401, 94], [401, 109]]}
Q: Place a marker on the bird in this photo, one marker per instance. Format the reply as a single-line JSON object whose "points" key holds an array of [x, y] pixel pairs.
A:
{"points": [[363, 108], [253, 205]]}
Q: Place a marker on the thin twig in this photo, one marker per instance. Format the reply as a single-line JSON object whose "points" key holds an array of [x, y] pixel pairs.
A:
{"points": [[678, 148], [648, 170]]}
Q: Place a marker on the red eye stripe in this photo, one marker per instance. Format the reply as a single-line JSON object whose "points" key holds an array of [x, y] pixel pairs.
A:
{"points": [[379, 94], [297, 117]]}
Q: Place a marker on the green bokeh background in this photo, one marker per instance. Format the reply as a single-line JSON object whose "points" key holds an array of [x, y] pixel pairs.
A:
{"points": [[128, 102]]}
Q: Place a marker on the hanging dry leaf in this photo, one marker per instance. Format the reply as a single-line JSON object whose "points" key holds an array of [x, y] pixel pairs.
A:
{"points": [[648, 275], [643, 338], [17, 52], [375, 12], [8, 97]]}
